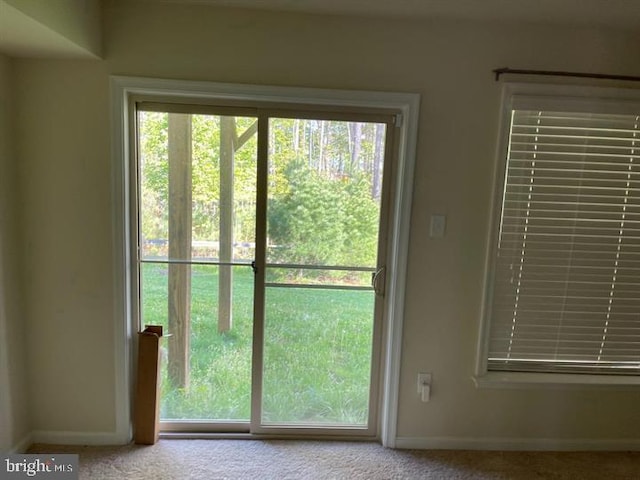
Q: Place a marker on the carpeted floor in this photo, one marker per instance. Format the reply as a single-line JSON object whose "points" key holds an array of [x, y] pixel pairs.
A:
{"points": [[265, 460]]}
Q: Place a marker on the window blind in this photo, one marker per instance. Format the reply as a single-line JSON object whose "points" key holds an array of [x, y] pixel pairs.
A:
{"points": [[566, 285]]}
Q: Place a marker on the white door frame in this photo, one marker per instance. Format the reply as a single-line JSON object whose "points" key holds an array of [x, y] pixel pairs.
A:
{"points": [[122, 88]]}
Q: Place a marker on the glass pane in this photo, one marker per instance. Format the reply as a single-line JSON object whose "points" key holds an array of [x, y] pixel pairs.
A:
{"points": [[325, 181], [218, 384], [197, 193], [324, 192], [317, 357], [197, 179]]}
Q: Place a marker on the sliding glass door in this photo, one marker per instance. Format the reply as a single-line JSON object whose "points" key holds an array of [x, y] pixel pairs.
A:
{"points": [[260, 249]]}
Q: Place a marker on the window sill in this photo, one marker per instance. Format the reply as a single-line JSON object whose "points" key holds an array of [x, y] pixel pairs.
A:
{"points": [[523, 380]]}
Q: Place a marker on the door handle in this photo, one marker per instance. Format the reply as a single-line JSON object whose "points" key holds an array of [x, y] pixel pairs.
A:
{"points": [[377, 281]]}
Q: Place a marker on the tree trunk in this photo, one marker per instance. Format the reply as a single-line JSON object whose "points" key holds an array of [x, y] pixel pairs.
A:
{"points": [[179, 248], [296, 135], [356, 129], [225, 277], [321, 163], [309, 126], [378, 159]]}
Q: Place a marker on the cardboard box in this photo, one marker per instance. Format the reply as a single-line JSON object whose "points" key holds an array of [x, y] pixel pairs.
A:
{"points": [[147, 404]]}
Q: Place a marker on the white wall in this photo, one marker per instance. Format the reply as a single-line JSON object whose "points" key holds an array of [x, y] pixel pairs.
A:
{"points": [[76, 21], [14, 421], [62, 131], [63, 137]]}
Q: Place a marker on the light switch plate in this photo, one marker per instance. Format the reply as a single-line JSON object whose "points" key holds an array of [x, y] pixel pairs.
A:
{"points": [[423, 379], [424, 386], [438, 223]]}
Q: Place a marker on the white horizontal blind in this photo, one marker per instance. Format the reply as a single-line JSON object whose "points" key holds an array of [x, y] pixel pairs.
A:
{"points": [[566, 293]]}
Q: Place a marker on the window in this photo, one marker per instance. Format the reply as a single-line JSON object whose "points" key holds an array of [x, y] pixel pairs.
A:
{"points": [[564, 284]]}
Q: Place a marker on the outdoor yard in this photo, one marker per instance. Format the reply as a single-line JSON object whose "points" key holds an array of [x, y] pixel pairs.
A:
{"points": [[316, 357]]}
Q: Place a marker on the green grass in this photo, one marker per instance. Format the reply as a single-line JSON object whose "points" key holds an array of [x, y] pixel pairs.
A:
{"points": [[317, 351]]}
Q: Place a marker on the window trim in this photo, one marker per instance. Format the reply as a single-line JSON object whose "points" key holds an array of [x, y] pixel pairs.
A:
{"points": [[568, 381], [522, 96]]}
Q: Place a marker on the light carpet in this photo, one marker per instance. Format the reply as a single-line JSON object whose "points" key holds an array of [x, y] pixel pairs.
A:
{"points": [[284, 459]]}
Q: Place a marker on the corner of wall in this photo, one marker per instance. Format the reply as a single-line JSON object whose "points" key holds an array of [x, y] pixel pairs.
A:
{"points": [[14, 414], [23, 445]]}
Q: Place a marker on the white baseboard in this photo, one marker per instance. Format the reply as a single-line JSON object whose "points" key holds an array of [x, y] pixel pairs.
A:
{"points": [[23, 445], [78, 438], [521, 444], [414, 443]]}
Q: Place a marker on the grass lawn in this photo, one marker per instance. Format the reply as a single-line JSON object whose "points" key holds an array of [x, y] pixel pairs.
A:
{"points": [[316, 355]]}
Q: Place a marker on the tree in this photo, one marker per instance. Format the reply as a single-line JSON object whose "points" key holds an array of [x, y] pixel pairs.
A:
{"points": [[323, 221], [230, 143], [180, 194]]}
